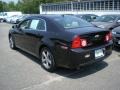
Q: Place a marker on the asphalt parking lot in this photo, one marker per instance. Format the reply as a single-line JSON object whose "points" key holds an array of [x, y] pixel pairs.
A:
{"points": [[21, 71]]}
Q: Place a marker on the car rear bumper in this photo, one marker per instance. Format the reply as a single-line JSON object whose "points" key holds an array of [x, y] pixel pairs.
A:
{"points": [[74, 58]]}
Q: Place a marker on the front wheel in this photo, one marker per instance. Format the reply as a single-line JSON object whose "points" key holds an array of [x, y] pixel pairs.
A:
{"points": [[47, 60], [12, 43]]}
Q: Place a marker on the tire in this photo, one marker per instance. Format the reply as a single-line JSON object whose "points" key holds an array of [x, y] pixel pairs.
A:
{"points": [[47, 60], [12, 43]]}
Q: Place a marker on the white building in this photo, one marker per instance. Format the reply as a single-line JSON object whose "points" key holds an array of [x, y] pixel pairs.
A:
{"points": [[98, 7]]}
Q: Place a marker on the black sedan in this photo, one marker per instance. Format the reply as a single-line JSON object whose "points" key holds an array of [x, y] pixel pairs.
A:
{"points": [[107, 21], [116, 36], [61, 40], [87, 17]]}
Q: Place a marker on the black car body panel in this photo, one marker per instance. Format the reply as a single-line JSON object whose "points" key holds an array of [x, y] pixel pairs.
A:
{"points": [[116, 36], [85, 30], [58, 40], [73, 58]]}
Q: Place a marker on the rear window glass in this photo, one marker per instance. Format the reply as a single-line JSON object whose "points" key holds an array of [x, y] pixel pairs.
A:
{"points": [[68, 21]]}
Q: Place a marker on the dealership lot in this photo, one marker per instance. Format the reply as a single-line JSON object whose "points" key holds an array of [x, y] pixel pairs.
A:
{"points": [[21, 71]]}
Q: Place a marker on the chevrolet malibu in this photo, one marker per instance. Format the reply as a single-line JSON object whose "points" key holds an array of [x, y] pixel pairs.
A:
{"points": [[61, 41]]}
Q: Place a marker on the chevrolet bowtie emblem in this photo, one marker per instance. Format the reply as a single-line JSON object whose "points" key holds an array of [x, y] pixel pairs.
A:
{"points": [[97, 36]]}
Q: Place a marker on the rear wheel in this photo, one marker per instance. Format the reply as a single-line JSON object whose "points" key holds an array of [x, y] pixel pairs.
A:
{"points": [[12, 43], [47, 60]]}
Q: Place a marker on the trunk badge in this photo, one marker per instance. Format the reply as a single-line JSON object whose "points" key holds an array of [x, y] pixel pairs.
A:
{"points": [[97, 36]]}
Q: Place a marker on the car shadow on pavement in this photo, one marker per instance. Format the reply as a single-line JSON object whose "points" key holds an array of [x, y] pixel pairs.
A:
{"points": [[72, 73], [29, 56], [83, 71], [117, 49]]}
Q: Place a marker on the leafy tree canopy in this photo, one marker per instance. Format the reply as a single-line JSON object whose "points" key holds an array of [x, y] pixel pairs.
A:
{"points": [[25, 6]]}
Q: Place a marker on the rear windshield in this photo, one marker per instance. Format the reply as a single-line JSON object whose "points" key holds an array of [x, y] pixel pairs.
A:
{"points": [[106, 18], [69, 22]]}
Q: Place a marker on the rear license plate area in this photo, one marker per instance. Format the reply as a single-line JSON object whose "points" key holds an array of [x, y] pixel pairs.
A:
{"points": [[99, 53]]}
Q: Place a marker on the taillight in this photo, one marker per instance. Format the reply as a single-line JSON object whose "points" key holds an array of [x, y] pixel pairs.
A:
{"points": [[108, 37], [78, 42]]}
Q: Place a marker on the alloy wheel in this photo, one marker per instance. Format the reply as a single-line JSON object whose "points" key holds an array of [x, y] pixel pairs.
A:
{"points": [[47, 59], [11, 42]]}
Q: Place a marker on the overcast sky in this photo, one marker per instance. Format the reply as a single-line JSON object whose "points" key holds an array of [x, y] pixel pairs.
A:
{"points": [[9, 0]]}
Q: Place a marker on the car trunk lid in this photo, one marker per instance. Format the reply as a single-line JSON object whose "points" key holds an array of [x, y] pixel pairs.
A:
{"points": [[94, 36]]}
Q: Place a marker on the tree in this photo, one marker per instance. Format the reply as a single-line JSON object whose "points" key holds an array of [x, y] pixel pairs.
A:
{"points": [[12, 6], [29, 6], [26, 6], [3, 6]]}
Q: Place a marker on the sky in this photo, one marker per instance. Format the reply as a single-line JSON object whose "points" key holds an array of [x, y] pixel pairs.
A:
{"points": [[9, 1]]}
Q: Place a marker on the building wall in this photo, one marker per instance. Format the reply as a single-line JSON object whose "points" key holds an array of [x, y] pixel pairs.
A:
{"points": [[98, 7]]}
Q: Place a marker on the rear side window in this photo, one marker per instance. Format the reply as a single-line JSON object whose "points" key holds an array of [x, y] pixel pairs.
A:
{"points": [[41, 25], [34, 24], [38, 24]]}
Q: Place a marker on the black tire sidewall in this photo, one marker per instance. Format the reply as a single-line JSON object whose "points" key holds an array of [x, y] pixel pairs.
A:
{"points": [[53, 66], [11, 37]]}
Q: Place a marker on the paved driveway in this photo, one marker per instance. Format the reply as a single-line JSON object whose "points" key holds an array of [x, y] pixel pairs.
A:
{"points": [[21, 71]]}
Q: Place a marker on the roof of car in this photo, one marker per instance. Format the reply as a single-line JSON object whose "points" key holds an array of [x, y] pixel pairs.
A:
{"points": [[47, 15], [111, 15], [85, 14]]}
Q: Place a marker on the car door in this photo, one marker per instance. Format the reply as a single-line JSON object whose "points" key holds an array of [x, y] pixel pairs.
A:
{"points": [[34, 34], [20, 34]]}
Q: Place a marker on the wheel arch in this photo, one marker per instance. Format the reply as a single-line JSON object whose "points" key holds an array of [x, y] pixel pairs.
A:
{"points": [[45, 46], [41, 47]]}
